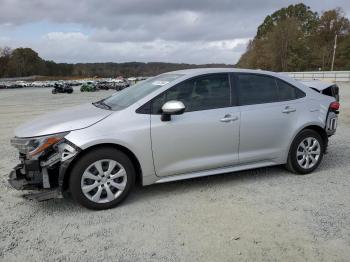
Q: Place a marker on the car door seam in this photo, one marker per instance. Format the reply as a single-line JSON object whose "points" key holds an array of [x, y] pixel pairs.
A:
{"points": [[150, 134]]}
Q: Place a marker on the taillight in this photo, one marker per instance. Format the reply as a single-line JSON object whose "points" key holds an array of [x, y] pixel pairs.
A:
{"points": [[334, 106]]}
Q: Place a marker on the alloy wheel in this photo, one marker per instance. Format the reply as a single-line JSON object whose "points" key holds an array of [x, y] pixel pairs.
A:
{"points": [[308, 152], [103, 181]]}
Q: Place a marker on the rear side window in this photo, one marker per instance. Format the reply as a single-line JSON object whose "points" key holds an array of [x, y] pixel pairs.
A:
{"points": [[288, 92], [256, 89]]}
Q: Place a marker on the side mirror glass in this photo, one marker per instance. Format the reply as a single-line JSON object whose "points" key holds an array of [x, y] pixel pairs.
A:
{"points": [[172, 108]]}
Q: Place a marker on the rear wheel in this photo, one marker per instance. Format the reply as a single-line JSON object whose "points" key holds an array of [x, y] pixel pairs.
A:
{"points": [[306, 152], [102, 178]]}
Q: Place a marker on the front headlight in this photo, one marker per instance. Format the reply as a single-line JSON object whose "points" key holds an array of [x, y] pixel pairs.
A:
{"points": [[36, 145]]}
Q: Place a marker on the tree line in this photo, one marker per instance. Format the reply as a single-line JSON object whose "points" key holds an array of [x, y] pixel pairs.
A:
{"points": [[22, 62], [297, 39]]}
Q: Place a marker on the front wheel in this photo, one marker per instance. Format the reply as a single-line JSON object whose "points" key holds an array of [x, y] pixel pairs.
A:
{"points": [[102, 178], [306, 152]]}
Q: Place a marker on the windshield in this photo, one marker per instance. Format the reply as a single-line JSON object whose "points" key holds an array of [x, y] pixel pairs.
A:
{"points": [[132, 94]]}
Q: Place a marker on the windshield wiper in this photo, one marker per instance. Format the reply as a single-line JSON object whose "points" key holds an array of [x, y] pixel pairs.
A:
{"points": [[102, 104]]}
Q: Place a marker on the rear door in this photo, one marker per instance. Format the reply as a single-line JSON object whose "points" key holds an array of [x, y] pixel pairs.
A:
{"points": [[269, 110], [205, 137]]}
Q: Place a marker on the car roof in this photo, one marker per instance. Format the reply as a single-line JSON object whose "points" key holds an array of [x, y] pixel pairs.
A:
{"points": [[200, 71], [188, 73]]}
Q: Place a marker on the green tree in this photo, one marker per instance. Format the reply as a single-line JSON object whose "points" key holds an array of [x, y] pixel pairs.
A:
{"points": [[24, 62], [287, 46], [283, 40], [5, 54], [342, 60], [331, 23], [307, 18], [296, 38]]}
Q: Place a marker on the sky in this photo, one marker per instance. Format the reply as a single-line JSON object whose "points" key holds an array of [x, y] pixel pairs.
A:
{"points": [[181, 31]]}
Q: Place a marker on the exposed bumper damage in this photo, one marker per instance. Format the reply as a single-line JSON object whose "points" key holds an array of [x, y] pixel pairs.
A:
{"points": [[44, 174], [331, 123]]}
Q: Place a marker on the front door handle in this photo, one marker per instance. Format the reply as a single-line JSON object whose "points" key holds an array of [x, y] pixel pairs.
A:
{"points": [[228, 118], [288, 110]]}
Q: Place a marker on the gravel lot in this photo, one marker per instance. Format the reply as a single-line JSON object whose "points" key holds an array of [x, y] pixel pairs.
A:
{"points": [[262, 215]]}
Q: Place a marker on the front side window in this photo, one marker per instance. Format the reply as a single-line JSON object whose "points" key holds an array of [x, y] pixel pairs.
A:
{"points": [[256, 89], [200, 93]]}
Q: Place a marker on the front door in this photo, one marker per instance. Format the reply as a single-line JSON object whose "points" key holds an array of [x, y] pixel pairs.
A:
{"points": [[205, 137]]}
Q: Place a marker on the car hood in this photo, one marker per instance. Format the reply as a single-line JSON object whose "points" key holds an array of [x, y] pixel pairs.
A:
{"points": [[61, 121]]}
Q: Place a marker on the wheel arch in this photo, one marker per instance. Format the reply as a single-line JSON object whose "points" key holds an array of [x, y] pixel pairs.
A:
{"points": [[321, 131], [128, 152], [317, 128]]}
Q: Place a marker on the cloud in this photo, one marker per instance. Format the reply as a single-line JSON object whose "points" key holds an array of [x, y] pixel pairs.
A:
{"points": [[63, 37], [75, 47], [196, 31]]}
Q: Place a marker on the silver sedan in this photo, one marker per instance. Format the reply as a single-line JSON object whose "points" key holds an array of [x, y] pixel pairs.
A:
{"points": [[174, 126]]}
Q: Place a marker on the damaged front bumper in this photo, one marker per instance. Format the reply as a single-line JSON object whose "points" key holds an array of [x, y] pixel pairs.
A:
{"points": [[44, 175]]}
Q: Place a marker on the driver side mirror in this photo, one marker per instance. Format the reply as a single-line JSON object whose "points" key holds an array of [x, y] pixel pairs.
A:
{"points": [[172, 108]]}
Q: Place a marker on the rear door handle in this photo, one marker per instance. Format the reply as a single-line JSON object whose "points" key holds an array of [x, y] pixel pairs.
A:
{"points": [[288, 110], [228, 118]]}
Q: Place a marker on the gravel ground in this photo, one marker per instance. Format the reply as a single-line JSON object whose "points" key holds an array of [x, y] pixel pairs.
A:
{"points": [[260, 215]]}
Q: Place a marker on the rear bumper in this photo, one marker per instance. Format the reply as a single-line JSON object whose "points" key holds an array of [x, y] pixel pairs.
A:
{"points": [[331, 123]]}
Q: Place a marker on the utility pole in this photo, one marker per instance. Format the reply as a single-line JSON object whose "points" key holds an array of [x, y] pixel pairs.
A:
{"points": [[335, 47]]}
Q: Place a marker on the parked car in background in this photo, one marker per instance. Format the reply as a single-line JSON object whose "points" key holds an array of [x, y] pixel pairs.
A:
{"points": [[118, 86], [104, 85], [62, 88], [88, 87], [174, 126]]}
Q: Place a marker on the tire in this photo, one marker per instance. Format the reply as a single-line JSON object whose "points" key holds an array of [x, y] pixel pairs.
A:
{"points": [[305, 158], [98, 198]]}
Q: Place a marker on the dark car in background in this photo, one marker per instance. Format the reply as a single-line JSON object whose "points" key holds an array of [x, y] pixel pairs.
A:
{"points": [[62, 88]]}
